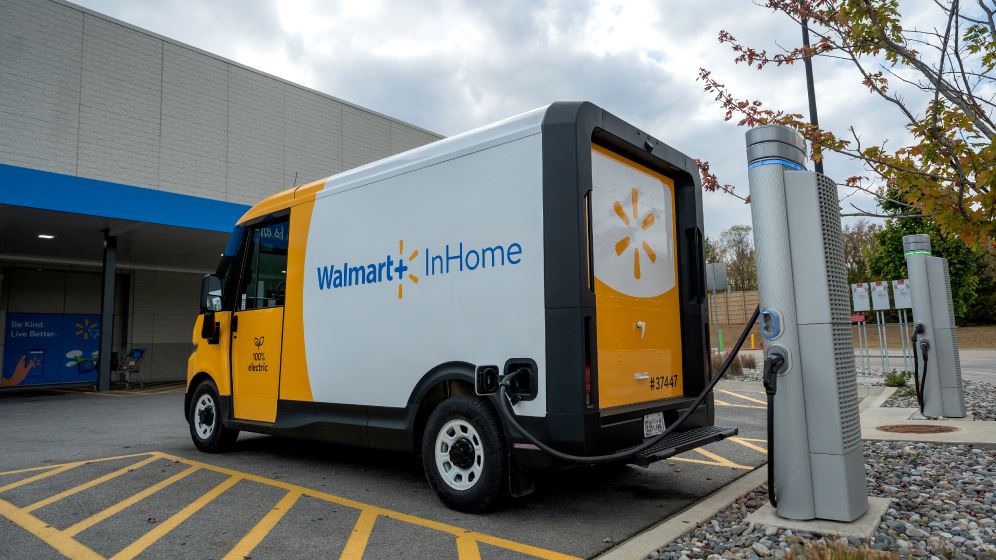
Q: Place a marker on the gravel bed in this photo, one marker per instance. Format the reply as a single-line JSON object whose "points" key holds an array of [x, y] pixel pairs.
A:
{"points": [[980, 399], [748, 376], [943, 506]]}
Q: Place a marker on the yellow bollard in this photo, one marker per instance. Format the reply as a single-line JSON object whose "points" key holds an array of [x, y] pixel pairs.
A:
{"points": [[752, 341]]}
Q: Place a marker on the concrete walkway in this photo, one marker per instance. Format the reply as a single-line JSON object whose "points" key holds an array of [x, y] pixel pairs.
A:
{"points": [[982, 433]]}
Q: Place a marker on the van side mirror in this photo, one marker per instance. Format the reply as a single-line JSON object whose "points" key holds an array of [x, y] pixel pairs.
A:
{"points": [[210, 302], [210, 293]]}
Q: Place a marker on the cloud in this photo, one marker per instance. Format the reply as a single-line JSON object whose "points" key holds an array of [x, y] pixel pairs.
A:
{"points": [[449, 66]]}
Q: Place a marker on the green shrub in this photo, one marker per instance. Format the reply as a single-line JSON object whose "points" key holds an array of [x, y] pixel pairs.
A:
{"points": [[896, 378]]}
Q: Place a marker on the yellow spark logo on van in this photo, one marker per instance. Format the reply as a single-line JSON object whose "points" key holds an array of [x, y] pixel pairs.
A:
{"points": [[404, 268], [625, 242]]}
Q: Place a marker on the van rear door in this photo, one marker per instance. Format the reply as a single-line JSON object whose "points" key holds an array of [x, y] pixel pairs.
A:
{"points": [[638, 318], [257, 324]]}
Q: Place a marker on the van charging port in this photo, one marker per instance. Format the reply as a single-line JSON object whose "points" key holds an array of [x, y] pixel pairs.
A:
{"points": [[524, 386], [486, 380]]}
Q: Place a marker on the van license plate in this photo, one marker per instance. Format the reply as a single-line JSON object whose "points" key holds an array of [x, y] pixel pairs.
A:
{"points": [[653, 424]]}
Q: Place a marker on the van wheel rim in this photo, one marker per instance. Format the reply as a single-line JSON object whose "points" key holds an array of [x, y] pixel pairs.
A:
{"points": [[459, 454], [204, 417]]}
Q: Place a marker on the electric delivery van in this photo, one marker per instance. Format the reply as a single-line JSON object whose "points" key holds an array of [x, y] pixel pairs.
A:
{"points": [[380, 307]]}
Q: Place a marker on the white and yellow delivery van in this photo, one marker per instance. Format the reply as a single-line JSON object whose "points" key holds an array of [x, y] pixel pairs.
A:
{"points": [[364, 309]]}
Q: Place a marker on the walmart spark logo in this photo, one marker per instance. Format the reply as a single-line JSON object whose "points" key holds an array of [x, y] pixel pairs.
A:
{"points": [[404, 269], [637, 228], [87, 330], [387, 269]]}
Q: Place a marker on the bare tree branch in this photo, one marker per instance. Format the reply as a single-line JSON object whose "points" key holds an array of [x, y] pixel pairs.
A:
{"points": [[862, 212]]}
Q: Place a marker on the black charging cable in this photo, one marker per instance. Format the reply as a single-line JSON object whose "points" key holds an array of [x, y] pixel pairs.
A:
{"points": [[773, 365], [918, 381], [504, 398]]}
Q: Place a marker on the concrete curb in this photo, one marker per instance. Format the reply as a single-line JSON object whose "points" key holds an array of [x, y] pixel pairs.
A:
{"points": [[665, 532], [878, 401]]}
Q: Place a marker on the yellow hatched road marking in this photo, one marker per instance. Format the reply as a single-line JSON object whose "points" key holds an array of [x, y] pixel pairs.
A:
{"points": [[747, 442], [744, 397], [148, 539], [263, 528], [467, 541], [403, 517], [467, 548], [724, 403], [357, 543], [717, 460], [127, 502], [67, 546], [88, 485]]}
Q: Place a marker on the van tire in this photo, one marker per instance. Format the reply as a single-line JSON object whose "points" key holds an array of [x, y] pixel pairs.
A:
{"points": [[207, 427], [470, 475]]}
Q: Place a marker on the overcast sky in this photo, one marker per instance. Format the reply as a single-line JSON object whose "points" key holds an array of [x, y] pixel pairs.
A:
{"points": [[450, 66]]}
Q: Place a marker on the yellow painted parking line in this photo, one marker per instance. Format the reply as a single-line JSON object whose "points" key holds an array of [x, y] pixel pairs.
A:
{"points": [[170, 391], [724, 403], [161, 530], [37, 477], [67, 546], [716, 460], [263, 528], [31, 469], [744, 397], [467, 548], [88, 485], [122, 392], [129, 501], [358, 539], [748, 443]]}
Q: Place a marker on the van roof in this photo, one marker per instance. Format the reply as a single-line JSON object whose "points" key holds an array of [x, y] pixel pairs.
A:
{"points": [[507, 130]]}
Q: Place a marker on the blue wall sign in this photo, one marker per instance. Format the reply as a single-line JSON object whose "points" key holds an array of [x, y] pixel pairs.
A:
{"points": [[43, 348]]}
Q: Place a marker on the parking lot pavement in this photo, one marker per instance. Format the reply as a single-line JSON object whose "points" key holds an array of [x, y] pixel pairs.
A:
{"points": [[88, 475]]}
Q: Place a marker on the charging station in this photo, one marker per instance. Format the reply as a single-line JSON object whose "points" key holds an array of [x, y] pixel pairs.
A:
{"points": [[816, 463], [937, 369]]}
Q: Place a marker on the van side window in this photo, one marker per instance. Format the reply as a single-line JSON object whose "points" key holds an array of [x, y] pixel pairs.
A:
{"points": [[264, 280]]}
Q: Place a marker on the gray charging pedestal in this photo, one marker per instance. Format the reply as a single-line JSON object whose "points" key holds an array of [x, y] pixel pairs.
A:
{"points": [[930, 288], [805, 316]]}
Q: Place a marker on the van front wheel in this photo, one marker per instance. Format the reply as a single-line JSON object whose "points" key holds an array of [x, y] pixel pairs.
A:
{"points": [[463, 453], [206, 427]]}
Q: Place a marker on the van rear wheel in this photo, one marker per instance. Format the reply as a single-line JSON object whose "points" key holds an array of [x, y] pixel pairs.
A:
{"points": [[463, 454], [206, 426]]}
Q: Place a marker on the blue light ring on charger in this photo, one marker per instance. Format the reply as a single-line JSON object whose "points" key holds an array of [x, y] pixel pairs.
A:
{"points": [[775, 319], [776, 161]]}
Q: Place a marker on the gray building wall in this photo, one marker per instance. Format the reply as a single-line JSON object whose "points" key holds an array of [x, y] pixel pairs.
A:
{"points": [[86, 95], [83, 94], [163, 309]]}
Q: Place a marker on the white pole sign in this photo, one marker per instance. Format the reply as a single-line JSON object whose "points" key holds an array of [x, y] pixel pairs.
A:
{"points": [[901, 294], [859, 295], [880, 295]]}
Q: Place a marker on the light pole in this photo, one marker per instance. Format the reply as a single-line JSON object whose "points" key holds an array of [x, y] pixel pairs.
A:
{"points": [[810, 88]]}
